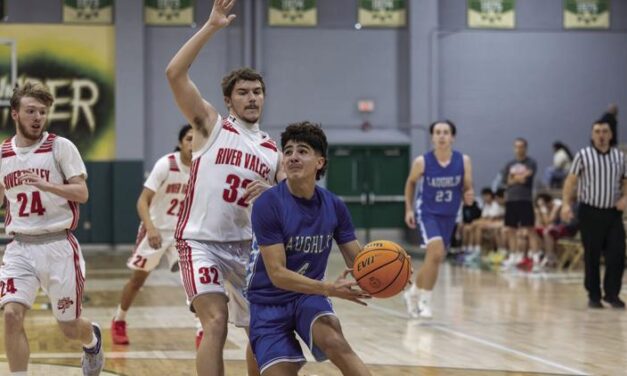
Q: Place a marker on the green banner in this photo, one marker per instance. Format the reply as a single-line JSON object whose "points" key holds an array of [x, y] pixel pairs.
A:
{"points": [[492, 14], [587, 14], [169, 12], [81, 78], [88, 11], [292, 13], [382, 13]]}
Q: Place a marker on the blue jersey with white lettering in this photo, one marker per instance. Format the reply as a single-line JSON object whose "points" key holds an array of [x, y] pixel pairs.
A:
{"points": [[441, 187], [306, 228]]}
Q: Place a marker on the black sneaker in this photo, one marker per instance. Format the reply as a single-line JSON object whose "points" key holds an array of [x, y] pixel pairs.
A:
{"points": [[595, 304], [615, 302]]}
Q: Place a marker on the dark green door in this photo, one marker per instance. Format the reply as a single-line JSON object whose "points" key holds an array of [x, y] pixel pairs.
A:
{"points": [[371, 180]]}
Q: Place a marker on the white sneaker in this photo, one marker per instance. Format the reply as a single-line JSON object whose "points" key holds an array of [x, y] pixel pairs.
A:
{"points": [[411, 303], [92, 361], [424, 309]]}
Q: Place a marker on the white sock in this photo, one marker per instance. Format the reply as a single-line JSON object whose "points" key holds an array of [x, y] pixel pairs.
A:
{"points": [[21, 373], [93, 343], [425, 296], [414, 289], [120, 315]]}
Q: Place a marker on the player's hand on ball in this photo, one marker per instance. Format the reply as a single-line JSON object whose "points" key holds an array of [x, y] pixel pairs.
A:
{"points": [[345, 289], [254, 189]]}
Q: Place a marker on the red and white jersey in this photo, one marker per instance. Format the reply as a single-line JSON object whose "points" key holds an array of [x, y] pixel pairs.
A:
{"points": [[168, 179], [30, 210], [233, 156]]}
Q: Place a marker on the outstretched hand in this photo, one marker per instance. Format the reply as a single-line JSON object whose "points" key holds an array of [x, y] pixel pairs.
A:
{"points": [[220, 16], [343, 288]]}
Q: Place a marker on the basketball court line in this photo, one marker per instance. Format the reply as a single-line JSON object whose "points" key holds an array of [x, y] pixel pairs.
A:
{"points": [[484, 342]]}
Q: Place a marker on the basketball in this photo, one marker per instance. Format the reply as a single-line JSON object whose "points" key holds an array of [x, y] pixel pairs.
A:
{"points": [[382, 268]]}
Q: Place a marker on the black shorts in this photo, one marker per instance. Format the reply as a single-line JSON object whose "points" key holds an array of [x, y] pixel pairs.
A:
{"points": [[519, 214]]}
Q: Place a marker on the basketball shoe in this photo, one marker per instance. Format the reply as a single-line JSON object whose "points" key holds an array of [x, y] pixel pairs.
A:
{"points": [[92, 361], [118, 332], [411, 303]]}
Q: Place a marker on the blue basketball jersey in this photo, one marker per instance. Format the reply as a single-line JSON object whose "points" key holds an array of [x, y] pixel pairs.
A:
{"points": [[441, 188], [306, 228]]}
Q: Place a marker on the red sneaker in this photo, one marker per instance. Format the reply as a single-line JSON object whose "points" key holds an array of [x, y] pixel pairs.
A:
{"points": [[118, 332], [199, 335], [526, 264]]}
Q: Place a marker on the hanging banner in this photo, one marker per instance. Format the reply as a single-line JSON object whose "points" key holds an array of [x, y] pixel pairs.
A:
{"points": [[586, 14], [492, 14], [88, 11], [169, 12], [292, 13], [80, 77], [382, 13]]}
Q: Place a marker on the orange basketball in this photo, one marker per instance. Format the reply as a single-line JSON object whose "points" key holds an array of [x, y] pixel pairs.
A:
{"points": [[382, 268]]}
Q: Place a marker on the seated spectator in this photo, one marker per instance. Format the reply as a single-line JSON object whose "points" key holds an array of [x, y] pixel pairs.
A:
{"points": [[562, 158], [550, 228], [469, 214], [491, 218]]}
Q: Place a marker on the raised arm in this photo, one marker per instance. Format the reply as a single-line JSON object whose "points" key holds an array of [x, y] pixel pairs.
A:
{"points": [[200, 113], [415, 173]]}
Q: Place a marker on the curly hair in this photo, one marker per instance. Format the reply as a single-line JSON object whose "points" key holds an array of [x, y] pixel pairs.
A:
{"points": [[312, 135]]}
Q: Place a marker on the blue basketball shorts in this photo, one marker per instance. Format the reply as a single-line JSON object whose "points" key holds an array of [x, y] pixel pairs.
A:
{"points": [[434, 227], [273, 329]]}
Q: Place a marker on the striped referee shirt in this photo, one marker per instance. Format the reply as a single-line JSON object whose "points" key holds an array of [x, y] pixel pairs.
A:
{"points": [[600, 176]]}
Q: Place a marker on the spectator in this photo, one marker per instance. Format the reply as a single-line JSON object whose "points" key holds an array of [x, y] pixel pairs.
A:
{"points": [[518, 177], [562, 158]]}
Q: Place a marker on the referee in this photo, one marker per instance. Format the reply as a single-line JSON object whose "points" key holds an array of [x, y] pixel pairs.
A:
{"points": [[600, 174]]}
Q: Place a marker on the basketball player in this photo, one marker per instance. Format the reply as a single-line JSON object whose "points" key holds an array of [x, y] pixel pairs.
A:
{"points": [[446, 176], [43, 181], [158, 207], [294, 224], [233, 162]]}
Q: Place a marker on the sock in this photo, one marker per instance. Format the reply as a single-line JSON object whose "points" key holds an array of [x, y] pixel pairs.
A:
{"points": [[120, 315], [414, 289], [425, 296], [93, 343], [21, 373]]}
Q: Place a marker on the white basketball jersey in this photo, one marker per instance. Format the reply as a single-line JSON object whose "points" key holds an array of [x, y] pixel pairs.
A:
{"points": [[30, 210], [233, 157], [168, 179]]}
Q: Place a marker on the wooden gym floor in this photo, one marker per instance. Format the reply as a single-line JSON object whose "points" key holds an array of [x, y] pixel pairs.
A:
{"points": [[485, 323]]}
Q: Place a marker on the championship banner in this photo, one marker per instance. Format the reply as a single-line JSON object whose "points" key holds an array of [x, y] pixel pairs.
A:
{"points": [[169, 12], [292, 13], [382, 13], [492, 14], [586, 14], [81, 78], [88, 11]]}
